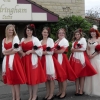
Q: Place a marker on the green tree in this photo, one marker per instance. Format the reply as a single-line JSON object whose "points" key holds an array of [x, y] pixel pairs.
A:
{"points": [[72, 23]]}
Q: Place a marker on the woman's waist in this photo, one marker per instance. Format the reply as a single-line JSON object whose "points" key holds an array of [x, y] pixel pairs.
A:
{"points": [[26, 50]]}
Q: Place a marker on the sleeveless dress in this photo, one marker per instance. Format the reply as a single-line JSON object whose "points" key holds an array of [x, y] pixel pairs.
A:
{"points": [[92, 83], [57, 67], [66, 65], [34, 75], [80, 69], [17, 75]]}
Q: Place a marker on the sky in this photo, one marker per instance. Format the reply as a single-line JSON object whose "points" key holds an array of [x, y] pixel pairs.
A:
{"points": [[92, 4]]}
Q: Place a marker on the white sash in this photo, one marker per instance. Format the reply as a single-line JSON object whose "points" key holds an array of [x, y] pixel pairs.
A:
{"points": [[63, 43], [49, 60], [11, 57], [80, 55]]}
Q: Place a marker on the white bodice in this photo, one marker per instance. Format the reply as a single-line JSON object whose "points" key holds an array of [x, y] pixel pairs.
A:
{"points": [[92, 46]]}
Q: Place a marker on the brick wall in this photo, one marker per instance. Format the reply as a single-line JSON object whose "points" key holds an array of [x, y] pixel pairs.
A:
{"points": [[64, 7]]}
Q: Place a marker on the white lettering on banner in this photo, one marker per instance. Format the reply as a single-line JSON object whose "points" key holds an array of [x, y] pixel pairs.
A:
{"points": [[10, 10], [15, 12]]}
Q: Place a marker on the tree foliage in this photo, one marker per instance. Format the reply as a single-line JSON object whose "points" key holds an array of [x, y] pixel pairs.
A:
{"points": [[71, 24], [93, 16]]}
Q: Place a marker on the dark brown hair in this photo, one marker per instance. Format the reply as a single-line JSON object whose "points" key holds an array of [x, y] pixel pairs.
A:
{"points": [[48, 29], [32, 28]]}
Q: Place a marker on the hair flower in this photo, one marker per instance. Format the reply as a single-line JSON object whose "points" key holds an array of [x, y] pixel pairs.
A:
{"points": [[32, 25]]}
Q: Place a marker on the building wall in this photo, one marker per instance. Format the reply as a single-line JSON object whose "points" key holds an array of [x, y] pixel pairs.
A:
{"points": [[64, 7]]}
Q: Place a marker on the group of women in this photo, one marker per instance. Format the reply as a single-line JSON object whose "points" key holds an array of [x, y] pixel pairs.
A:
{"points": [[33, 62]]}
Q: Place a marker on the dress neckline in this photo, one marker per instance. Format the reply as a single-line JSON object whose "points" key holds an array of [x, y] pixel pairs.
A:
{"points": [[27, 42], [8, 42], [91, 42]]}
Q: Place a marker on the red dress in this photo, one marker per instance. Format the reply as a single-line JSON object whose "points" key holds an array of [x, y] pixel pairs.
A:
{"points": [[66, 66], [33, 75], [79, 69], [58, 68], [17, 75]]}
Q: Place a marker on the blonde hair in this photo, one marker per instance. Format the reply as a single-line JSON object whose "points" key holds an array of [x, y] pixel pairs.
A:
{"points": [[14, 31]]}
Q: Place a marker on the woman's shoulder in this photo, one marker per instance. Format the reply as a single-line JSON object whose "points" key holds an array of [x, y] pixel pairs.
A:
{"points": [[16, 36], [35, 39], [50, 39], [3, 39], [89, 40], [65, 40], [99, 38], [83, 39], [22, 39]]}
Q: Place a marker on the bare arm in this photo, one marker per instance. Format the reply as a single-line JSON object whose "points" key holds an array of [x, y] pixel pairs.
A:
{"points": [[88, 50], [76, 50], [47, 53], [30, 51], [60, 51], [10, 52]]}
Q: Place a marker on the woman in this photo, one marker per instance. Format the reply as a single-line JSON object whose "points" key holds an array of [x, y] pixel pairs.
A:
{"points": [[92, 83], [30, 57], [80, 62], [51, 66], [12, 68], [61, 48]]}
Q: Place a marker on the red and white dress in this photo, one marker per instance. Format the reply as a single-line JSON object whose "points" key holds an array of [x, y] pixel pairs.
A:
{"points": [[79, 60], [12, 67], [52, 68], [33, 67], [63, 60]]}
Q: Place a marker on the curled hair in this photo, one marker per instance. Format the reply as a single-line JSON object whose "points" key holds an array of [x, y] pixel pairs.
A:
{"points": [[77, 31], [63, 30], [94, 30], [7, 27], [32, 28], [48, 29]]}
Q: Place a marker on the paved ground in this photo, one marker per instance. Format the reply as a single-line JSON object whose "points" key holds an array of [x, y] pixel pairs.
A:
{"points": [[5, 92]]}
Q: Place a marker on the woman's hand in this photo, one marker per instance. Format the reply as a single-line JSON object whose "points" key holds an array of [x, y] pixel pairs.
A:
{"points": [[91, 56], [28, 52], [23, 54], [72, 50], [5, 54], [44, 52]]}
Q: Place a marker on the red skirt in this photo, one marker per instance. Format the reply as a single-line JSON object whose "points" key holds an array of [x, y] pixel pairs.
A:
{"points": [[58, 69], [17, 75], [80, 70], [67, 68], [33, 75]]}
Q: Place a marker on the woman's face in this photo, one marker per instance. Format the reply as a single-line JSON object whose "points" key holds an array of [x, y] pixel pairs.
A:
{"points": [[29, 32], [77, 36], [93, 34], [61, 34], [10, 31], [45, 33]]}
